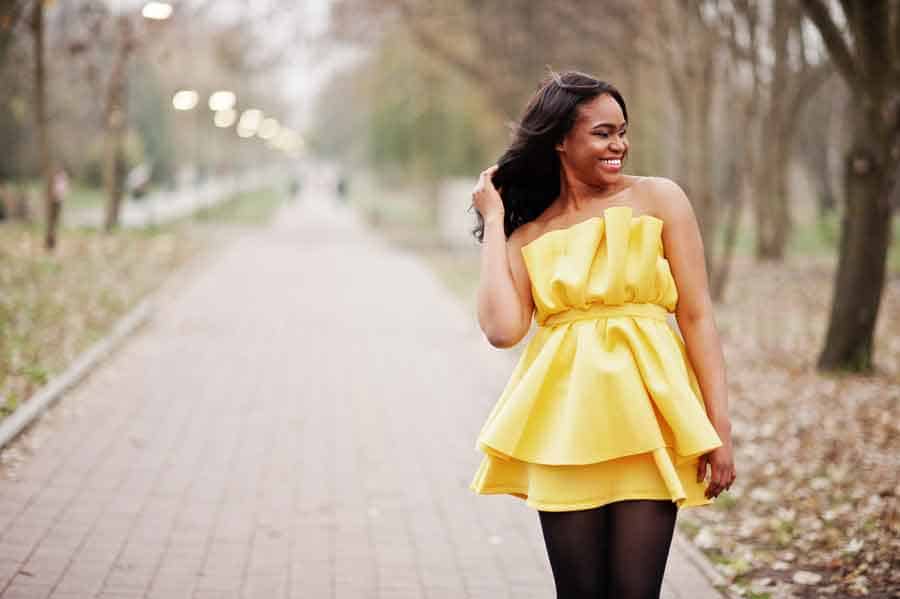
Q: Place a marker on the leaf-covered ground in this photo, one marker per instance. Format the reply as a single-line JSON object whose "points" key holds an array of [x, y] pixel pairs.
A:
{"points": [[814, 509]]}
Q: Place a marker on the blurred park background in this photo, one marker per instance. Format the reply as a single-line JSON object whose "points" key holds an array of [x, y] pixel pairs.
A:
{"points": [[136, 134]]}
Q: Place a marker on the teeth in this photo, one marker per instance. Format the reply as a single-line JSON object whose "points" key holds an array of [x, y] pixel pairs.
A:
{"points": [[616, 162]]}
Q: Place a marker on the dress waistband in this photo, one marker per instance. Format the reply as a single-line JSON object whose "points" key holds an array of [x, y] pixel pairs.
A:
{"points": [[595, 311]]}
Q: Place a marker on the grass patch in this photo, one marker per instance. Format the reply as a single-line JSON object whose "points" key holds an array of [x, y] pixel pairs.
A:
{"points": [[819, 238], [243, 208], [81, 197], [56, 305]]}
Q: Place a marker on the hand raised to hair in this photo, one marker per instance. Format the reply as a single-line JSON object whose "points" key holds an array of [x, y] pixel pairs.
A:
{"points": [[486, 198]]}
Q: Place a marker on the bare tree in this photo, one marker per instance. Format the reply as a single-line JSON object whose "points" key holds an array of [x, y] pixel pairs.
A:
{"points": [[780, 87], [503, 46], [746, 107], [51, 202], [687, 44], [866, 53], [786, 96], [114, 119]]}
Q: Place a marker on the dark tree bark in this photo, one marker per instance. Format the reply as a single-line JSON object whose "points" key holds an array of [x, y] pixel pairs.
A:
{"points": [[51, 202], [870, 64], [114, 121]]}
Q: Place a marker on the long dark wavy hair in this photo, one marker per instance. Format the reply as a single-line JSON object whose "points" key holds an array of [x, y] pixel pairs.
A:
{"points": [[527, 174]]}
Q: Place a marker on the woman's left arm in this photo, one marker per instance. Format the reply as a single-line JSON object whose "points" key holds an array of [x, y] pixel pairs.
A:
{"points": [[694, 311]]}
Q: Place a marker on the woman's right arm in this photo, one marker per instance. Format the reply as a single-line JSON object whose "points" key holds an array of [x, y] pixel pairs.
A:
{"points": [[505, 304]]}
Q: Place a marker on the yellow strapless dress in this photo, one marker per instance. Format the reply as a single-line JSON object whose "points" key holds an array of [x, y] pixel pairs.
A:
{"points": [[603, 404]]}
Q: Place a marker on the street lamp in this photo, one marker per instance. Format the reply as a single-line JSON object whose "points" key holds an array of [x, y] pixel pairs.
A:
{"points": [[225, 118], [185, 99], [222, 100], [249, 122], [157, 11]]}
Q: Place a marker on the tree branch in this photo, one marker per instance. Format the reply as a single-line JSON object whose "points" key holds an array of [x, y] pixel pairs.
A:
{"points": [[473, 70], [835, 42]]}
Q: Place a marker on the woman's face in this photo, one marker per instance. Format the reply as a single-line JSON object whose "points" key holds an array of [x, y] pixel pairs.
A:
{"points": [[594, 150]]}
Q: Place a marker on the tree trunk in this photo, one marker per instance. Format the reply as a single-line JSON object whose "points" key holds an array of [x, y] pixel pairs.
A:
{"points": [[869, 66], [729, 240], [114, 123], [772, 208], [865, 236], [51, 203], [697, 121], [772, 214]]}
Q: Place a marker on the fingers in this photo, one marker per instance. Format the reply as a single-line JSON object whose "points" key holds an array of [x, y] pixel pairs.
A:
{"points": [[484, 181], [701, 468], [730, 479], [487, 172], [721, 480], [715, 484]]}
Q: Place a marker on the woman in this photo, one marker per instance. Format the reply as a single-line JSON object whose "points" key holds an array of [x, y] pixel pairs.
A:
{"points": [[610, 419]]}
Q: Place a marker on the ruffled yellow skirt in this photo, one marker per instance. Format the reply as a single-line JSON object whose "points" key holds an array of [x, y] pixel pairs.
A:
{"points": [[555, 488], [600, 409]]}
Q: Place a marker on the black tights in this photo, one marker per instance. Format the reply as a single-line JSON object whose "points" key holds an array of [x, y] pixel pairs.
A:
{"points": [[615, 551]]}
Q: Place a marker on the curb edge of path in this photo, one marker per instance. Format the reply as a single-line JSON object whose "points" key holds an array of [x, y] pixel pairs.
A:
{"points": [[33, 407], [699, 560]]}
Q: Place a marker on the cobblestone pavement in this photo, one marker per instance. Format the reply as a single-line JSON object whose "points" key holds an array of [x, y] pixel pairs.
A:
{"points": [[298, 420]]}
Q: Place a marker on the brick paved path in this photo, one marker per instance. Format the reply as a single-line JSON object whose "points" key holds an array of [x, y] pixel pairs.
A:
{"points": [[298, 420]]}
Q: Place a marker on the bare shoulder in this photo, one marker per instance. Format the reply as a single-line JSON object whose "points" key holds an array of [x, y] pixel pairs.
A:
{"points": [[523, 234], [668, 199]]}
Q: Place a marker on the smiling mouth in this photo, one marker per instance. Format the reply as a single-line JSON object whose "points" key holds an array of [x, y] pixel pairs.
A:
{"points": [[612, 161]]}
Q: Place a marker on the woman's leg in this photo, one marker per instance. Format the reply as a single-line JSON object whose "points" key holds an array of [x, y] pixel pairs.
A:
{"points": [[578, 550], [640, 535]]}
